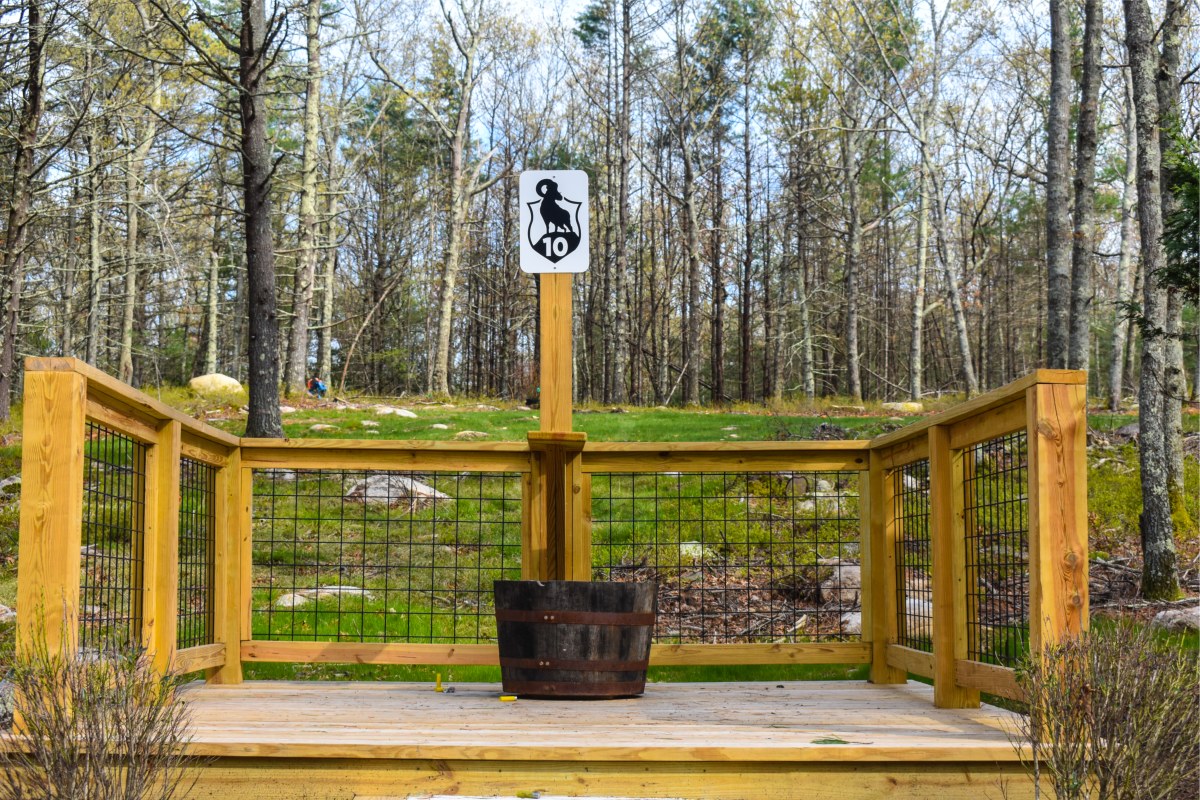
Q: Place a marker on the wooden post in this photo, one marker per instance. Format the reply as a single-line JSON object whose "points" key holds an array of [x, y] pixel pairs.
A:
{"points": [[51, 529], [949, 581], [228, 593], [555, 331], [1058, 584], [559, 536], [879, 590], [160, 549], [560, 487]]}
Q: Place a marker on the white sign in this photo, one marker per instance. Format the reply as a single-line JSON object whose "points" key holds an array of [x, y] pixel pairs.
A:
{"points": [[554, 220]]}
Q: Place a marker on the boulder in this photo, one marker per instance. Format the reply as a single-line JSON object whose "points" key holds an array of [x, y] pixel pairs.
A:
{"points": [[918, 618], [1130, 431], [1179, 620], [302, 596], [903, 408], [7, 615], [291, 600], [851, 622], [287, 410], [693, 552], [369, 423], [385, 411], [6, 704], [394, 490], [844, 584], [322, 427], [214, 383], [437, 426], [469, 436]]}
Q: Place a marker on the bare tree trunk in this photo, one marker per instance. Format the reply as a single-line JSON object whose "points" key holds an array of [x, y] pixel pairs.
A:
{"points": [[717, 347], [1085, 190], [329, 269], [95, 261], [1058, 231], [916, 347], [620, 278], [744, 323], [808, 379], [211, 317], [1124, 276], [21, 197], [264, 419], [1160, 578], [691, 339], [302, 288], [853, 254]]}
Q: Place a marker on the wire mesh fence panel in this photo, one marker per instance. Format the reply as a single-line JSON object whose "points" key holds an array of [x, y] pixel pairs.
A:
{"points": [[739, 557], [114, 526], [197, 539], [996, 521], [914, 563], [382, 556]]}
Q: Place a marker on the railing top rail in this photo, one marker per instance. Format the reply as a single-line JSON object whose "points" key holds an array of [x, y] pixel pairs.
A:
{"points": [[797, 446], [386, 445], [107, 388], [978, 405]]}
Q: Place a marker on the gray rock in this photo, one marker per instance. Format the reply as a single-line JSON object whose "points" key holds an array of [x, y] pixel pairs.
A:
{"points": [[287, 410], [470, 436], [291, 600], [394, 490], [1130, 431], [322, 427], [903, 408], [1180, 620], [6, 705], [843, 586], [369, 423], [439, 426], [214, 383], [852, 622], [7, 615], [384, 411]]}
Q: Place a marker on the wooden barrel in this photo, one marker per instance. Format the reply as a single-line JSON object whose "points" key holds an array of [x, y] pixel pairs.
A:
{"points": [[574, 639]]}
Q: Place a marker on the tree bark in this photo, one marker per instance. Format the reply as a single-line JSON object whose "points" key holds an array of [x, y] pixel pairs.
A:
{"points": [[1083, 242], [16, 236], [916, 366], [853, 254], [717, 277], [95, 259], [302, 287], [691, 339], [745, 325], [264, 419], [1058, 232], [620, 277], [1160, 579], [1124, 276]]}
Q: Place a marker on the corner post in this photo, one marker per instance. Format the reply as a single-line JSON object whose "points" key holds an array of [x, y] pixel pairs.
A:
{"points": [[1058, 558], [229, 567], [879, 591], [947, 533], [51, 524], [160, 567]]}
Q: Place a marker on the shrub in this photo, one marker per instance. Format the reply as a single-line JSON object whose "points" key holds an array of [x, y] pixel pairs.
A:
{"points": [[94, 728], [1113, 715]]}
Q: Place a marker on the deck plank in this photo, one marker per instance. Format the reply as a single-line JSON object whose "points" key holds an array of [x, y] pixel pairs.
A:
{"points": [[769, 722]]}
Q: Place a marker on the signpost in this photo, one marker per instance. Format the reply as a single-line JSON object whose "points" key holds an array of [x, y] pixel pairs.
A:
{"points": [[554, 245]]}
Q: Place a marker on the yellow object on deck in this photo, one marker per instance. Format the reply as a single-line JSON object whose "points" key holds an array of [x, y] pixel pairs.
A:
{"points": [[508, 698], [437, 687]]}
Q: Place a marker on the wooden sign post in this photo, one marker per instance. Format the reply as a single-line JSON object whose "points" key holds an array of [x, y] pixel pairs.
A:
{"points": [[554, 245]]}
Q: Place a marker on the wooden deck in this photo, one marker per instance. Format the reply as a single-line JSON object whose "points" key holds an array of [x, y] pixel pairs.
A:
{"points": [[744, 740]]}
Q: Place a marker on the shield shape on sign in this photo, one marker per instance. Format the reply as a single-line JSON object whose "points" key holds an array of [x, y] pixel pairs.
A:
{"points": [[554, 227]]}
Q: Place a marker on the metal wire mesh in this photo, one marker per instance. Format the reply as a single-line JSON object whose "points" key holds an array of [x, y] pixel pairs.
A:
{"points": [[739, 557], [382, 556], [114, 514], [914, 563], [996, 516], [197, 529]]}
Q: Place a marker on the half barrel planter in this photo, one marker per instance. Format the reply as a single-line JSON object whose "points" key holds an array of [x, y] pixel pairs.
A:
{"points": [[575, 639]]}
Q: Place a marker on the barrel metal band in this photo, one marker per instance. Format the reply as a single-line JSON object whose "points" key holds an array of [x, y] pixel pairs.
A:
{"points": [[575, 617], [575, 665], [572, 689]]}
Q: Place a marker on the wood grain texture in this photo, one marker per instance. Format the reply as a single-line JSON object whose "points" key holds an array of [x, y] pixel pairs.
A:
{"points": [[348, 455], [1000, 681], [671, 722], [949, 585], [286, 779], [229, 569], [990, 424], [555, 330], [906, 659], [880, 597], [662, 655], [1058, 547], [108, 390], [137, 428], [201, 657], [160, 549], [51, 523], [984, 402], [714, 459]]}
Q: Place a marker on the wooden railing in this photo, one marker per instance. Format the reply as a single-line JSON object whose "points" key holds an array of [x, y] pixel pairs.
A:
{"points": [[799, 548]]}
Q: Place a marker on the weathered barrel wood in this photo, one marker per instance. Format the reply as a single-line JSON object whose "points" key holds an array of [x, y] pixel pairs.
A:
{"points": [[574, 639]]}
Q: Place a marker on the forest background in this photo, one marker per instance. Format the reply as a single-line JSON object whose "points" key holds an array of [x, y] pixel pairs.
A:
{"points": [[878, 199]]}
